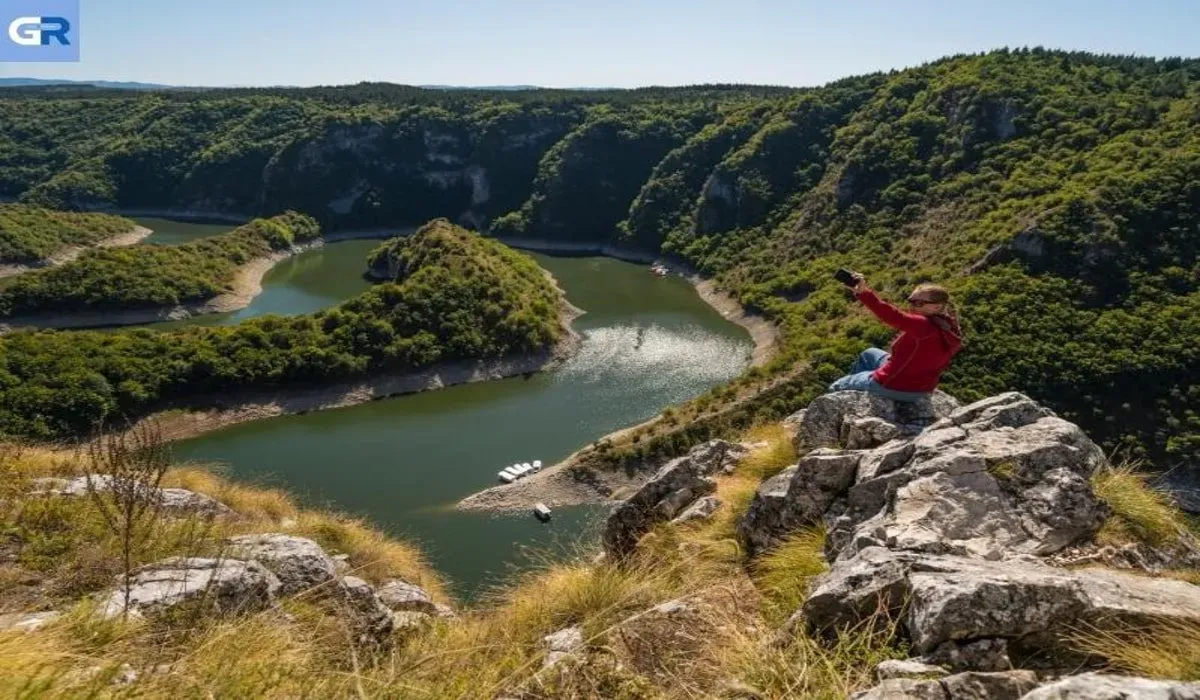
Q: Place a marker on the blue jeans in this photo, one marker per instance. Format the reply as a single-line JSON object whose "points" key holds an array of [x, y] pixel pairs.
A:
{"points": [[860, 379]]}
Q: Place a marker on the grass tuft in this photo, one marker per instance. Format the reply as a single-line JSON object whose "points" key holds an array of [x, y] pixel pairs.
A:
{"points": [[1171, 650], [1139, 511], [784, 573]]}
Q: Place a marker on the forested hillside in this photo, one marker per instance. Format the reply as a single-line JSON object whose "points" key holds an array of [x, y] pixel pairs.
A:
{"points": [[462, 297], [1055, 193], [31, 234]]}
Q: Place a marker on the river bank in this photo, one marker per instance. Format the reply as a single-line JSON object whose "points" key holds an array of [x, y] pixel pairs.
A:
{"points": [[762, 332], [66, 255], [559, 485], [179, 424], [183, 423]]}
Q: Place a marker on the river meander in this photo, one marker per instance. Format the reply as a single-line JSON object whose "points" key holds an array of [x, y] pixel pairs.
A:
{"points": [[403, 462]]}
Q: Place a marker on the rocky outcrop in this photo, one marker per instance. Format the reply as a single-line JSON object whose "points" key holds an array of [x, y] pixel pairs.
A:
{"points": [[562, 644], [370, 620], [222, 586], [1006, 685], [403, 596], [1093, 686], [833, 420], [998, 477], [673, 488], [949, 598], [299, 563], [952, 531], [171, 501], [266, 567]]}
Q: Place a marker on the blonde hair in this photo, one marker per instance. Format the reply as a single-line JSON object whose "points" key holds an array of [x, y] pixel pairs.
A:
{"points": [[934, 292], [940, 295]]}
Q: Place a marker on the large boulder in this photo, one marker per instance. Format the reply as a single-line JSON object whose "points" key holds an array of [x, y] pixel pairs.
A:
{"points": [[403, 596], [833, 419], [941, 599], [299, 563], [1000, 476], [1005, 685], [1093, 686], [951, 531], [172, 501], [367, 616], [672, 489], [225, 586], [769, 517]]}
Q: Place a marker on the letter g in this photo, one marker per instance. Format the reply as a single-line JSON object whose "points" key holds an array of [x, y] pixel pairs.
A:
{"points": [[20, 31]]}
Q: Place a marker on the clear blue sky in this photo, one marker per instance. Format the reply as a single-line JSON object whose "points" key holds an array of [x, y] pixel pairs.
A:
{"points": [[620, 43]]}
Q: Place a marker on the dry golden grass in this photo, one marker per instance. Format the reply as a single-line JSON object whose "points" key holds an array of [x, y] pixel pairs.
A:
{"points": [[774, 454], [784, 573], [723, 643], [1171, 650], [373, 555], [805, 667], [1139, 512], [253, 502]]}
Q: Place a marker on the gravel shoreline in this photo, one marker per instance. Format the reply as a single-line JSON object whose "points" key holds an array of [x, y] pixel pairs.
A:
{"points": [[66, 255], [246, 285], [219, 412], [179, 424]]}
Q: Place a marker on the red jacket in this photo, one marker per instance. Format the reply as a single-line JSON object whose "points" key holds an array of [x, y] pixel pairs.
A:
{"points": [[920, 353]]}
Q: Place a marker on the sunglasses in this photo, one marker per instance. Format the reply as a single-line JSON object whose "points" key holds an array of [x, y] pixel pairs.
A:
{"points": [[921, 302]]}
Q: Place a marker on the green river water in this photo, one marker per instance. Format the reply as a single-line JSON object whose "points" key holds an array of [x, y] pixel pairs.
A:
{"points": [[403, 462]]}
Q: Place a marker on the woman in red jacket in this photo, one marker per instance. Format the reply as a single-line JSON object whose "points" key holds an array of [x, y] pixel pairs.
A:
{"points": [[929, 338]]}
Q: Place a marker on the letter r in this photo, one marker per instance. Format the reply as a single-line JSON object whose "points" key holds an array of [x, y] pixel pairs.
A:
{"points": [[59, 31]]}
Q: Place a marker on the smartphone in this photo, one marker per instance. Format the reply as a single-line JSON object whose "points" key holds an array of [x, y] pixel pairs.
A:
{"points": [[846, 277]]}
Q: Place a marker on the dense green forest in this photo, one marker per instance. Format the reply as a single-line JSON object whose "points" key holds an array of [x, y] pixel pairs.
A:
{"points": [[460, 296], [1055, 193], [31, 234], [153, 275]]}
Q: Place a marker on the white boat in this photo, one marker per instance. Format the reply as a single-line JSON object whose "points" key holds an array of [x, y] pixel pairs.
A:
{"points": [[542, 512], [521, 469]]}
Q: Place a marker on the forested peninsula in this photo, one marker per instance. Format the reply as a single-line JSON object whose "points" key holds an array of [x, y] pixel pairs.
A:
{"points": [[1055, 193], [458, 297], [141, 276], [33, 237]]}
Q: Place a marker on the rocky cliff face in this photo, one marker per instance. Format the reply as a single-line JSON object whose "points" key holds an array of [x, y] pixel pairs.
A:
{"points": [[959, 525]]}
